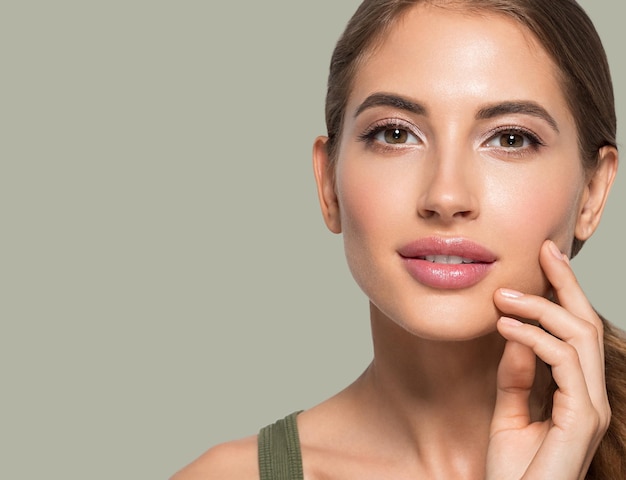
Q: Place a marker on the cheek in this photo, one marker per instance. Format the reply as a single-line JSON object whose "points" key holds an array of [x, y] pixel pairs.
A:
{"points": [[373, 198], [531, 211], [376, 203], [544, 208]]}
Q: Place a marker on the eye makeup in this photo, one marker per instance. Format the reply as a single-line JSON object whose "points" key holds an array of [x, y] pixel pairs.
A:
{"points": [[391, 134], [506, 140]]}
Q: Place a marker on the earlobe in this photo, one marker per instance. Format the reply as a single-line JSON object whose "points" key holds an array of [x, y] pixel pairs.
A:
{"points": [[597, 192], [325, 178]]}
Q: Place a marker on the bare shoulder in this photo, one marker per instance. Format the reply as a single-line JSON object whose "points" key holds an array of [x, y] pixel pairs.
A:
{"points": [[237, 460]]}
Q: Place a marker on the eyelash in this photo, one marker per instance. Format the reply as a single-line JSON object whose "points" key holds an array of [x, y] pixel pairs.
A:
{"points": [[369, 137], [534, 141]]}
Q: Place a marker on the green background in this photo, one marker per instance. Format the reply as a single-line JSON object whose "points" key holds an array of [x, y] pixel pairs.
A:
{"points": [[167, 281]]}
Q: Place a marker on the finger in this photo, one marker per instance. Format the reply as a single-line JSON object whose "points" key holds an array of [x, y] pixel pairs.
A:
{"points": [[573, 395], [587, 328], [566, 288], [575, 421], [569, 294], [516, 374], [581, 335]]}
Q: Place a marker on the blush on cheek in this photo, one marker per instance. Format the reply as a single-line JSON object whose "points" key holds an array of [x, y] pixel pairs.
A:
{"points": [[542, 212], [369, 200], [557, 218], [547, 210]]}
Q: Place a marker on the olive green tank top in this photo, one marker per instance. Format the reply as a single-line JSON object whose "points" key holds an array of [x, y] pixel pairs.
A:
{"points": [[279, 450]]}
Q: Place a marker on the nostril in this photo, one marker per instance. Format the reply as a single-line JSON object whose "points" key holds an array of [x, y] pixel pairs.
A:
{"points": [[447, 214], [427, 213], [463, 214]]}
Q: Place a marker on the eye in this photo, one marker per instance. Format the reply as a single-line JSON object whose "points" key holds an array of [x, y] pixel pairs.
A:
{"points": [[513, 139], [395, 136], [391, 133]]}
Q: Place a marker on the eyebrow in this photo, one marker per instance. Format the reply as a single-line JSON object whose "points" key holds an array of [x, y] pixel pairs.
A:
{"points": [[391, 100], [490, 111], [525, 108]]}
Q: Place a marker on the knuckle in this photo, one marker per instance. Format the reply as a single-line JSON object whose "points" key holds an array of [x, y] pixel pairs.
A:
{"points": [[599, 324], [600, 421], [590, 331], [567, 354], [605, 419]]}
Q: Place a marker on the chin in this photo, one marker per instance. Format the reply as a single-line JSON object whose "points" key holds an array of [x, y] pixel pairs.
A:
{"points": [[445, 322]]}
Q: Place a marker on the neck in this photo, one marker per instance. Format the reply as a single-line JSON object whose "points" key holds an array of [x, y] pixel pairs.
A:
{"points": [[437, 396], [431, 371]]}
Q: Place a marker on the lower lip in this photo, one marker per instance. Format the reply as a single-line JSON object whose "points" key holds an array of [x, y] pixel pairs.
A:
{"points": [[446, 276]]}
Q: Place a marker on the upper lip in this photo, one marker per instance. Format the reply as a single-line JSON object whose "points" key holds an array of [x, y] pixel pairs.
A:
{"points": [[459, 247]]}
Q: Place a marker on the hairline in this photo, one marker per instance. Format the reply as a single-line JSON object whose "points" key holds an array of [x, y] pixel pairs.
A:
{"points": [[464, 7]]}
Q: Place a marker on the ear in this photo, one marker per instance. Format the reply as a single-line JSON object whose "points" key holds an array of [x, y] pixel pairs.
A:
{"points": [[596, 193], [325, 178]]}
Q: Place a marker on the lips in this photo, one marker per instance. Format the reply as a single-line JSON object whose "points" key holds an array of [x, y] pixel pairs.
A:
{"points": [[447, 263]]}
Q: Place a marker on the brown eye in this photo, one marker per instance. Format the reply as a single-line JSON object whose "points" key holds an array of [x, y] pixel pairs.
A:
{"points": [[511, 140], [392, 134], [396, 135]]}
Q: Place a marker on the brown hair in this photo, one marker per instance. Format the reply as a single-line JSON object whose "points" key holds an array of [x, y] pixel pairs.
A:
{"points": [[569, 37]]}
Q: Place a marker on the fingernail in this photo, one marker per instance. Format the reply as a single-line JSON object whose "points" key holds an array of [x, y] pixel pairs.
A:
{"points": [[555, 250], [510, 321], [508, 293]]}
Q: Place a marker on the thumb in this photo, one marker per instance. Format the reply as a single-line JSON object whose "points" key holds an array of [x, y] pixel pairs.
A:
{"points": [[516, 374]]}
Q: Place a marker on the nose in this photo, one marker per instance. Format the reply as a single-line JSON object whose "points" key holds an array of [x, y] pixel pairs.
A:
{"points": [[450, 190]]}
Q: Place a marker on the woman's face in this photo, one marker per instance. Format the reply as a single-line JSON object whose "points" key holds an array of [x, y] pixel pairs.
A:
{"points": [[458, 146]]}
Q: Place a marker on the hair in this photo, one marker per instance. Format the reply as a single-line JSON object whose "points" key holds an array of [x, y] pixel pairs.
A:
{"points": [[569, 37]]}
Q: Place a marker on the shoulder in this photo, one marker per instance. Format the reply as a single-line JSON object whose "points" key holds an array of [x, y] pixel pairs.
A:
{"points": [[237, 460]]}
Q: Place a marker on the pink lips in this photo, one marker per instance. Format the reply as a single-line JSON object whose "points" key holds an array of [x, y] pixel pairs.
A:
{"points": [[445, 272]]}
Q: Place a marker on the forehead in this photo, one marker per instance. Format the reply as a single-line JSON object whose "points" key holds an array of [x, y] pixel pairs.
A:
{"points": [[449, 55]]}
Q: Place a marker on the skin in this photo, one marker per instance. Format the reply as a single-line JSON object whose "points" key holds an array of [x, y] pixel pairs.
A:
{"points": [[453, 389]]}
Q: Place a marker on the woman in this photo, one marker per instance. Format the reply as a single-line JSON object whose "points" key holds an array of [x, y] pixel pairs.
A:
{"points": [[470, 151]]}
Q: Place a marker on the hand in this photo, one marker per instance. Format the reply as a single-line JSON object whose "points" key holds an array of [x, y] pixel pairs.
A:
{"points": [[561, 447]]}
